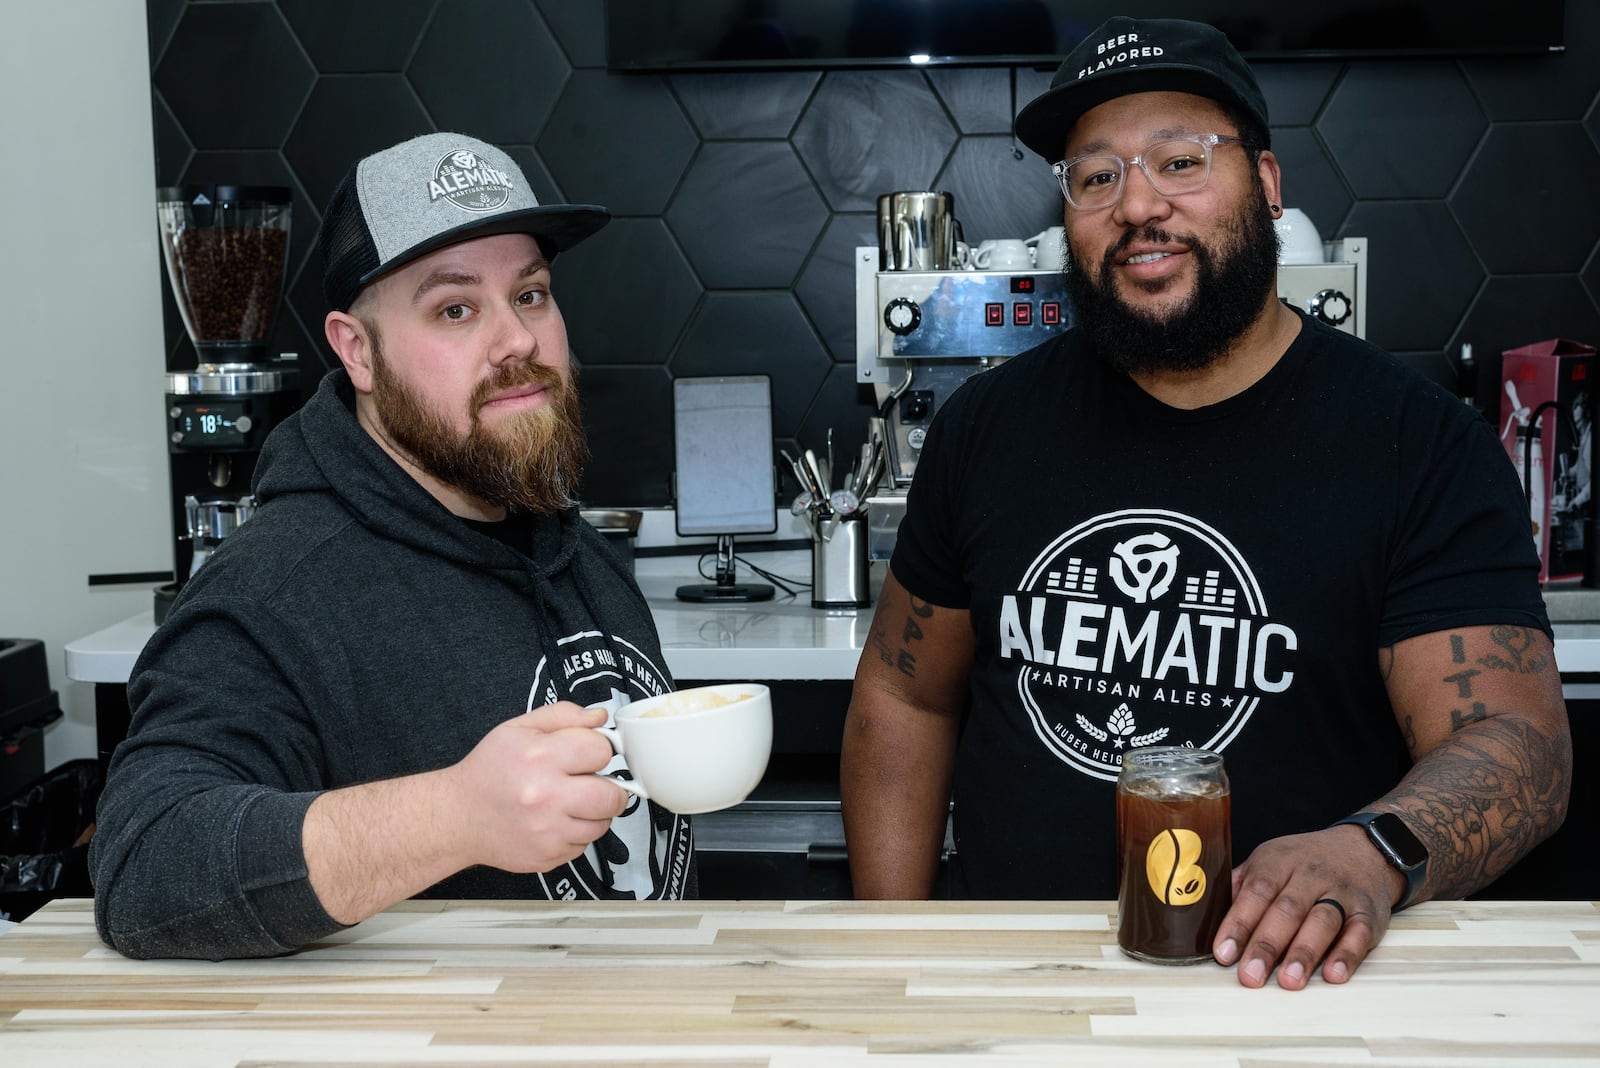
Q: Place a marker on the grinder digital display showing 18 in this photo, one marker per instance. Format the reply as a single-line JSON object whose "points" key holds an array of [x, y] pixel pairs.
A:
{"points": [[209, 425]]}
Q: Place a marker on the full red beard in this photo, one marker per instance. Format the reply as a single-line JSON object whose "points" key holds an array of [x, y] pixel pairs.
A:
{"points": [[529, 461]]}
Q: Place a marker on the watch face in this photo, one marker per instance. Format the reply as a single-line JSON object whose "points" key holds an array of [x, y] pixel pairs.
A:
{"points": [[1398, 837]]}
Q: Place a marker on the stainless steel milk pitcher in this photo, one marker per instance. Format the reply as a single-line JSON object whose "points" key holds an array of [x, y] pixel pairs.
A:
{"points": [[917, 231]]}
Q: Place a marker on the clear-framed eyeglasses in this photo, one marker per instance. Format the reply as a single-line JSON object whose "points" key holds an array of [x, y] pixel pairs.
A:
{"points": [[1174, 168]]}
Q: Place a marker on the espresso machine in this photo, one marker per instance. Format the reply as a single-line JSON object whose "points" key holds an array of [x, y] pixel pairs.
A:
{"points": [[226, 252], [925, 323]]}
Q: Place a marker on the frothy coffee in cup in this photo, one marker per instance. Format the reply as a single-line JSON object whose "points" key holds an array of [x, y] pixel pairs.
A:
{"points": [[686, 701]]}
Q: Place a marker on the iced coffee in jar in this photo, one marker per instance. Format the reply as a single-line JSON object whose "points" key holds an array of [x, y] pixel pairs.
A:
{"points": [[1174, 853]]}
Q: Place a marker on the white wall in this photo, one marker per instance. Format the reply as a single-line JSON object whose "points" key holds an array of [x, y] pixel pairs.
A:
{"points": [[83, 469]]}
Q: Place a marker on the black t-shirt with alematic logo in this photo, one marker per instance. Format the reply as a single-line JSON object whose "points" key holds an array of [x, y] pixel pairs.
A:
{"points": [[1222, 577]]}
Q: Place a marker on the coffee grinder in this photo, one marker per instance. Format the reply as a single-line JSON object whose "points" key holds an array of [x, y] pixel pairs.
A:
{"points": [[226, 251]]}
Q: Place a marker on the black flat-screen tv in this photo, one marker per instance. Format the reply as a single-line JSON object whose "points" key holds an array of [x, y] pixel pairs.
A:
{"points": [[666, 35]]}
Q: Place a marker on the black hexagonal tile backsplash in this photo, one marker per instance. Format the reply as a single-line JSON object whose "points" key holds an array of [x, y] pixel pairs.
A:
{"points": [[621, 141], [504, 93], [357, 36], [1295, 92], [580, 27], [1416, 150], [1542, 175], [999, 191], [234, 75], [348, 116], [626, 293], [737, 105], [827, 286], [758, 333], [871, 132], [740, 196], [747, 215], [1311, 182], [1420, 297]]}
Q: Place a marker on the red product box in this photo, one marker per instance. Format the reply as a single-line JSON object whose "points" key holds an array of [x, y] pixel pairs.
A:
{"points": [[1546, 412]]}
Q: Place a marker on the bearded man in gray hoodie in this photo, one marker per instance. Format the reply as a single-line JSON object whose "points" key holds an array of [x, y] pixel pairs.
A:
{"points": [[383, 685]]}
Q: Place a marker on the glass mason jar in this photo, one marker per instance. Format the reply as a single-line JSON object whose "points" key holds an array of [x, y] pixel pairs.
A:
{"points": [[1174, 853]]}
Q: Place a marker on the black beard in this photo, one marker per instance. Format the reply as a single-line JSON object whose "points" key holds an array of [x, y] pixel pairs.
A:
{"points": [[1231, 287], [529, 464]]}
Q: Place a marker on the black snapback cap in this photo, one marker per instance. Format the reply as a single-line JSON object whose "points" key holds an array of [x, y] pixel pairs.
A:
{"points": [[1128, 55], [422, 195]]}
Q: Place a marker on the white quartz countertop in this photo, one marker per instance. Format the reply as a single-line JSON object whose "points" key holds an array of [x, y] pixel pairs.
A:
{"points": [[784, 638]]}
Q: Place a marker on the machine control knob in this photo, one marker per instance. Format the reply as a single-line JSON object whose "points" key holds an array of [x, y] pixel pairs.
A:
{"points": [[916, 405], [174, 411], [901, 315], [1331, 306], [176, 436], [243, 424], [916, 437]]}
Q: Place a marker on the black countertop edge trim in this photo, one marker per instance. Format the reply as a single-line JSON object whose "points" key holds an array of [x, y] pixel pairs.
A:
{"points": [[130, 578]]}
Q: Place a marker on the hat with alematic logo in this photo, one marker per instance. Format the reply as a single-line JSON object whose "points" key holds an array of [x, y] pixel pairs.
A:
{"points": [[433, 191], [1127, 55]]}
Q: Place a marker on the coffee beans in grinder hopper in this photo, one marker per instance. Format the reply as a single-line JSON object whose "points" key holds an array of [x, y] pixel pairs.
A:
{"points": [[225, 249]]}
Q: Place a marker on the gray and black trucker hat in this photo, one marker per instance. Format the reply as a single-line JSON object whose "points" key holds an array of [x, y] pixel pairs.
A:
{"points": [[1127, 55], [421, 195]]}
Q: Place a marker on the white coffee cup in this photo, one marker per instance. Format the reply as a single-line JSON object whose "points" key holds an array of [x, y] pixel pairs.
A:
{"points": [[1298, 240], [695, 750], [1050, 248], [1002, 254]]}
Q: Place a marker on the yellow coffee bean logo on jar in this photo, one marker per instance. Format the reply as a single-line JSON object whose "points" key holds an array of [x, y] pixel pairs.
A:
{"points": [[1172, 864]]}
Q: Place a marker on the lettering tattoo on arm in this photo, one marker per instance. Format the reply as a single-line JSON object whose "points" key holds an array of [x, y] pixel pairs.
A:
{"points": [[1489, 793], [902, 659]]}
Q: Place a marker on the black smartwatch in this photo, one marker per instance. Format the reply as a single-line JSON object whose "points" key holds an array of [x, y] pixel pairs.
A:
{"points": [[1403, 850]]}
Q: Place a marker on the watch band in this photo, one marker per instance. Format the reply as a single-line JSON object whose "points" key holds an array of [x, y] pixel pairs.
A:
{"points": [[1406, 854]]}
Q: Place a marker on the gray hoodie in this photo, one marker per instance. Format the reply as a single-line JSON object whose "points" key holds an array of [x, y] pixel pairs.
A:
{"points": [[353, 630]]}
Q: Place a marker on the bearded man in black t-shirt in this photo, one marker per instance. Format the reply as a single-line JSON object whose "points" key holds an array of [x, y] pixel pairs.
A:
{"points": [[1202, 518]]}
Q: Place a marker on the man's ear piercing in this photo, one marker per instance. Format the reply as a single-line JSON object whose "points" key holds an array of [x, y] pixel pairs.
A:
{"points": [[1274, 208]]}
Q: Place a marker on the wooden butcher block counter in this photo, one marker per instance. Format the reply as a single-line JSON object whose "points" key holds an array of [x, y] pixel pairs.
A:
{"points": [[803, 983]]}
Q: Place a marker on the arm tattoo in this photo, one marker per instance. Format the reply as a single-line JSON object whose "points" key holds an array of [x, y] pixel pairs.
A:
{"points": [[1519, 655], [1489, 794], [1484, 797], [903, 659]]}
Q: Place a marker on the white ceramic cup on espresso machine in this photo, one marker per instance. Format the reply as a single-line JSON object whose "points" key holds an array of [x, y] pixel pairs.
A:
{"points": [[1050, 248], [918, 231], [1003, 254]]}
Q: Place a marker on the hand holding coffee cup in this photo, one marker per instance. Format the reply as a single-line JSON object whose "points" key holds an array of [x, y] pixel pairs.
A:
{"points": [[1002, 254], [695, 750]]}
